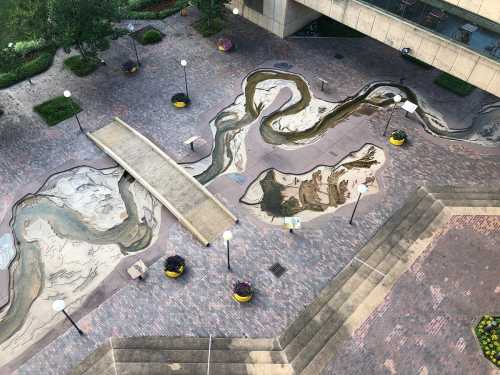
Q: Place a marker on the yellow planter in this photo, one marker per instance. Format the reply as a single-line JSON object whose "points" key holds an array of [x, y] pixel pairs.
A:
{"points": [[180, 104], [174, 275], [396, 142], [239, 298]]}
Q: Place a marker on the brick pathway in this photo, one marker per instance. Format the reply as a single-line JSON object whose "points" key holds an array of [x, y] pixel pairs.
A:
{"points": [[425, 324], [199, 304]]}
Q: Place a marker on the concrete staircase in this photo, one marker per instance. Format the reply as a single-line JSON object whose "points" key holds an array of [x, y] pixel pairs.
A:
{"points": [[312, 340]]}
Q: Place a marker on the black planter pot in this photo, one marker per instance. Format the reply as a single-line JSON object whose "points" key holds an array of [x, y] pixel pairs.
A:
{"points": [[174, 266], [180, 100]]}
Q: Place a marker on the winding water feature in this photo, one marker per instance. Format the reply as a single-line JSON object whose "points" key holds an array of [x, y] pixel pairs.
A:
{"points": [[301, 121], [29, 273]]}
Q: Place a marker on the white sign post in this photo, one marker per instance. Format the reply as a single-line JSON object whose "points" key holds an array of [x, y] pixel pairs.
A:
{"points": [[409, 107], [292, 222]]}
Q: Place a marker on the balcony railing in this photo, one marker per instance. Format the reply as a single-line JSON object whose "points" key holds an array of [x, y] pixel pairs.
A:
{"points": [[440, 21]]}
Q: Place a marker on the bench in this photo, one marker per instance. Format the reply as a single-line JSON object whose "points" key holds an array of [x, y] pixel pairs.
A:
{"points": [[190, 142], [137, 270]]}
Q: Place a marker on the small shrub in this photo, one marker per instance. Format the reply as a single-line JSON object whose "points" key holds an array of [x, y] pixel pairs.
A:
{"points": [[151, 37], [487, 332], [81, 66], [7, 79], [399, 135], [38, 65], [56, 110], [27, 70], [453, 84]]}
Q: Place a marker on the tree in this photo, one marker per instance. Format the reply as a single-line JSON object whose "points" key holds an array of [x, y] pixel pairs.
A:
{"points": [[212, 12], [83, 24]]}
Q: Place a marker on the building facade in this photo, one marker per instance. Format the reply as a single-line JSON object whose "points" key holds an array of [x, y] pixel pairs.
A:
{"points": [[460, 37]]}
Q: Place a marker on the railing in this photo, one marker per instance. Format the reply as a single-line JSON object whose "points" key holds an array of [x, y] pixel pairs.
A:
{"points": [[440, 21]]}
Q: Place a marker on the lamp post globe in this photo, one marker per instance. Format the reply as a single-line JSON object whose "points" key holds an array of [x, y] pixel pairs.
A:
{"points": [[227, 235], [184, 62], [397, 98], [67, 94], [130, 27], [58, 305], [362, 188], [236, 11]]}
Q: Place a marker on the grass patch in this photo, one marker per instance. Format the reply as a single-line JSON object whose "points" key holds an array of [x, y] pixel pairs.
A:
{"points": [[207, 29], [81, 66], [152, 9], [417, 62], [37, 65], [453, 84], [56, 110]]}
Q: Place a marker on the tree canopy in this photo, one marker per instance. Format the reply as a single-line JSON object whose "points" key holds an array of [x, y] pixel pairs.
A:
{"points": [[84, 24]]}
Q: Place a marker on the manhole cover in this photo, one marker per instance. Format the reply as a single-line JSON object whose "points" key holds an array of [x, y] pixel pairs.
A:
{"points": [[283, 65], [277, 269]]}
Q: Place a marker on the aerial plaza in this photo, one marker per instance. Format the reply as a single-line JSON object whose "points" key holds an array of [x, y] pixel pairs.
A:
{"points": [[191, 194]]}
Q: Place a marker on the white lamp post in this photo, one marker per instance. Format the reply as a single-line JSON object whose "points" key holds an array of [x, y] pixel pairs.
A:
{"points": [[396, 99], [67, 94], [236, 11], [183, 64], [228, 236], [58, 306], [131, 29], [362, 188]]}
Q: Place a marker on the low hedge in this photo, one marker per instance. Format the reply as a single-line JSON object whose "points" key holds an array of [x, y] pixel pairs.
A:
{"points": [[81, 66], [454, 84], [29, 69], [151, 37], [57, 109], [133, 10]]}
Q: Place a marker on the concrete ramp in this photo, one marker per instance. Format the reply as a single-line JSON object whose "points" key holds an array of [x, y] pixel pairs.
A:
{"points": [[189, 201]]}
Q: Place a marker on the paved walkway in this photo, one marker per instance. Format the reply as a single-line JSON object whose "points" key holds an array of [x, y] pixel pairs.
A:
{"points": [[425, 324], [200, 304]]}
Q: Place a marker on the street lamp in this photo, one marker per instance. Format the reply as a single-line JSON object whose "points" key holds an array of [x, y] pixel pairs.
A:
{"points": [[396, 99], [67, 94], [58, 306], [236, 11], [228, 236], [362, 188], [184, 63], [131, 28]]}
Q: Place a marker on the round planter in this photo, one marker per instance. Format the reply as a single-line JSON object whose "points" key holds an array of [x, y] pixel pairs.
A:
{"points": [[241, 299], [180, 100], [396, 142], [174, 275]]}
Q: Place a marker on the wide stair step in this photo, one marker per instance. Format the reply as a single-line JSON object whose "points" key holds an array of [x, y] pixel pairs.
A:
{"points": [[201, 369]]}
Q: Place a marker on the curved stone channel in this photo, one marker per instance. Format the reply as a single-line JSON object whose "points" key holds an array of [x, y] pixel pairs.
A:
{"points": [[245, 110], [27, 271]]}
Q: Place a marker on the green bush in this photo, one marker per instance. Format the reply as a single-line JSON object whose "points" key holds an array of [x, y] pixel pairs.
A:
{"points": [[81, 66], [56, 110], [151, 37], [7, 79], [36, 66], [453, 84], [133, 10]]}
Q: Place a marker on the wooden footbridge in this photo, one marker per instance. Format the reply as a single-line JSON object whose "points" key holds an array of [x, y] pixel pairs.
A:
{"points": [[189, 201]]}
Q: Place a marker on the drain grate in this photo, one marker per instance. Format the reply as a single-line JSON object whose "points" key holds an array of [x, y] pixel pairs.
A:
{"points": [[277, 269]]}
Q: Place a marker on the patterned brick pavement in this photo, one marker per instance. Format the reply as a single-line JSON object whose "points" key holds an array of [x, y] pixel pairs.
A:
{"points": [[425, 324], [199, 304]]}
